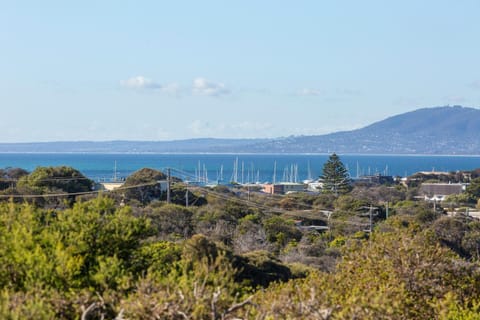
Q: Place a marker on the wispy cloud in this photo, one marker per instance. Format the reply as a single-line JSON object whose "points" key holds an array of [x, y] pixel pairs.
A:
{"points": [[202, 86], [143, 83], [309, 92], [140, 82], [173, 88], [245, 129], [348, 92], [475, 84], [199, 127], [340, 93], [455, 99]]}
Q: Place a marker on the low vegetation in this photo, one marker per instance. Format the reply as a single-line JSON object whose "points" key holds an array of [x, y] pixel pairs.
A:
{"points": [[228, 254]]}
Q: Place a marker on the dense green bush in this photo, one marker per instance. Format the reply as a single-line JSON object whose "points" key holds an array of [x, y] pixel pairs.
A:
{"points": [[95, 259]]}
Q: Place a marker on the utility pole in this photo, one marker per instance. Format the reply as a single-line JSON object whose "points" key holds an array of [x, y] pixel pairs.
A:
{"points": [[168, 185], [370, 213], [186, 196], [329, 224], [370, 217]]}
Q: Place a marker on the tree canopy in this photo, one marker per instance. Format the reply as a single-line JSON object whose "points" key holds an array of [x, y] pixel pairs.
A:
{"points": [[335, 176], [10, 176], [56, 179], [46, 182], [147, 185]]}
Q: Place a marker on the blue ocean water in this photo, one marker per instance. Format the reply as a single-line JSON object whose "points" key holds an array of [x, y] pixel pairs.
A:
{"points": [[256, 167]]}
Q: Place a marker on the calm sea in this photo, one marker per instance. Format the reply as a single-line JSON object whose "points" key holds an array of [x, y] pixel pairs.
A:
{"points": [[249, 167]]}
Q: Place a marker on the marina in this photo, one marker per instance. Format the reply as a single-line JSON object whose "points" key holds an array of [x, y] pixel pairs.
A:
{"points": [[242, 168]]}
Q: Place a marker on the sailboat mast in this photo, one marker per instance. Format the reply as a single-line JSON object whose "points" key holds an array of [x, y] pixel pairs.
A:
{"points": [[236, 170], [309, 170], [242, 171], [199, 172], [274, 171]]}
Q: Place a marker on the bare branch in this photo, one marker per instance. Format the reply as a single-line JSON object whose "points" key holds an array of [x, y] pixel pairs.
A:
{"points": [[120, 315], [237, 306], [88, 310], [215, 296]]}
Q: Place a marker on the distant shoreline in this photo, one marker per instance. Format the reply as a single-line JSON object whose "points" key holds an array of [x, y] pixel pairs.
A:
{"points": [[244, 153]]}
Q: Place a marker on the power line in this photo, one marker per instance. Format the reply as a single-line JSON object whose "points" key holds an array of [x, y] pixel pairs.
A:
{"points": [[248, 202], [45, 179], [239, 200], [53, 195], [209, 191]]}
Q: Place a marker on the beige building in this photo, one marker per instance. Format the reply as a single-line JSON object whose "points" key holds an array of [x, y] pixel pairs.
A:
{"points": [[283, 188]]}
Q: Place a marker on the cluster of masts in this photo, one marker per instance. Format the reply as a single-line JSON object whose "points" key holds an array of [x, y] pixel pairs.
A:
{"points": [[201, 173], [291, 175], [361, 172], [240, 174], [247, 174]]}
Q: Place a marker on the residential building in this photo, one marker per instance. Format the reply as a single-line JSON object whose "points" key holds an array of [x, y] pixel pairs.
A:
{"points": [[439, 191], [283, 188]]}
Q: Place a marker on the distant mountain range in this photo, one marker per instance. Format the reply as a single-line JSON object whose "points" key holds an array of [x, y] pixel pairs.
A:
{"points": [[439, 130]]}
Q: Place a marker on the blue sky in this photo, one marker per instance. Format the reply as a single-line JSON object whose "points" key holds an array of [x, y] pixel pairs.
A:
{"points": [[163, 70]]}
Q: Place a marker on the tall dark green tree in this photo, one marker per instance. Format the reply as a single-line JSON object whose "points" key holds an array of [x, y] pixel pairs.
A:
{"points": [[335, 176]]}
